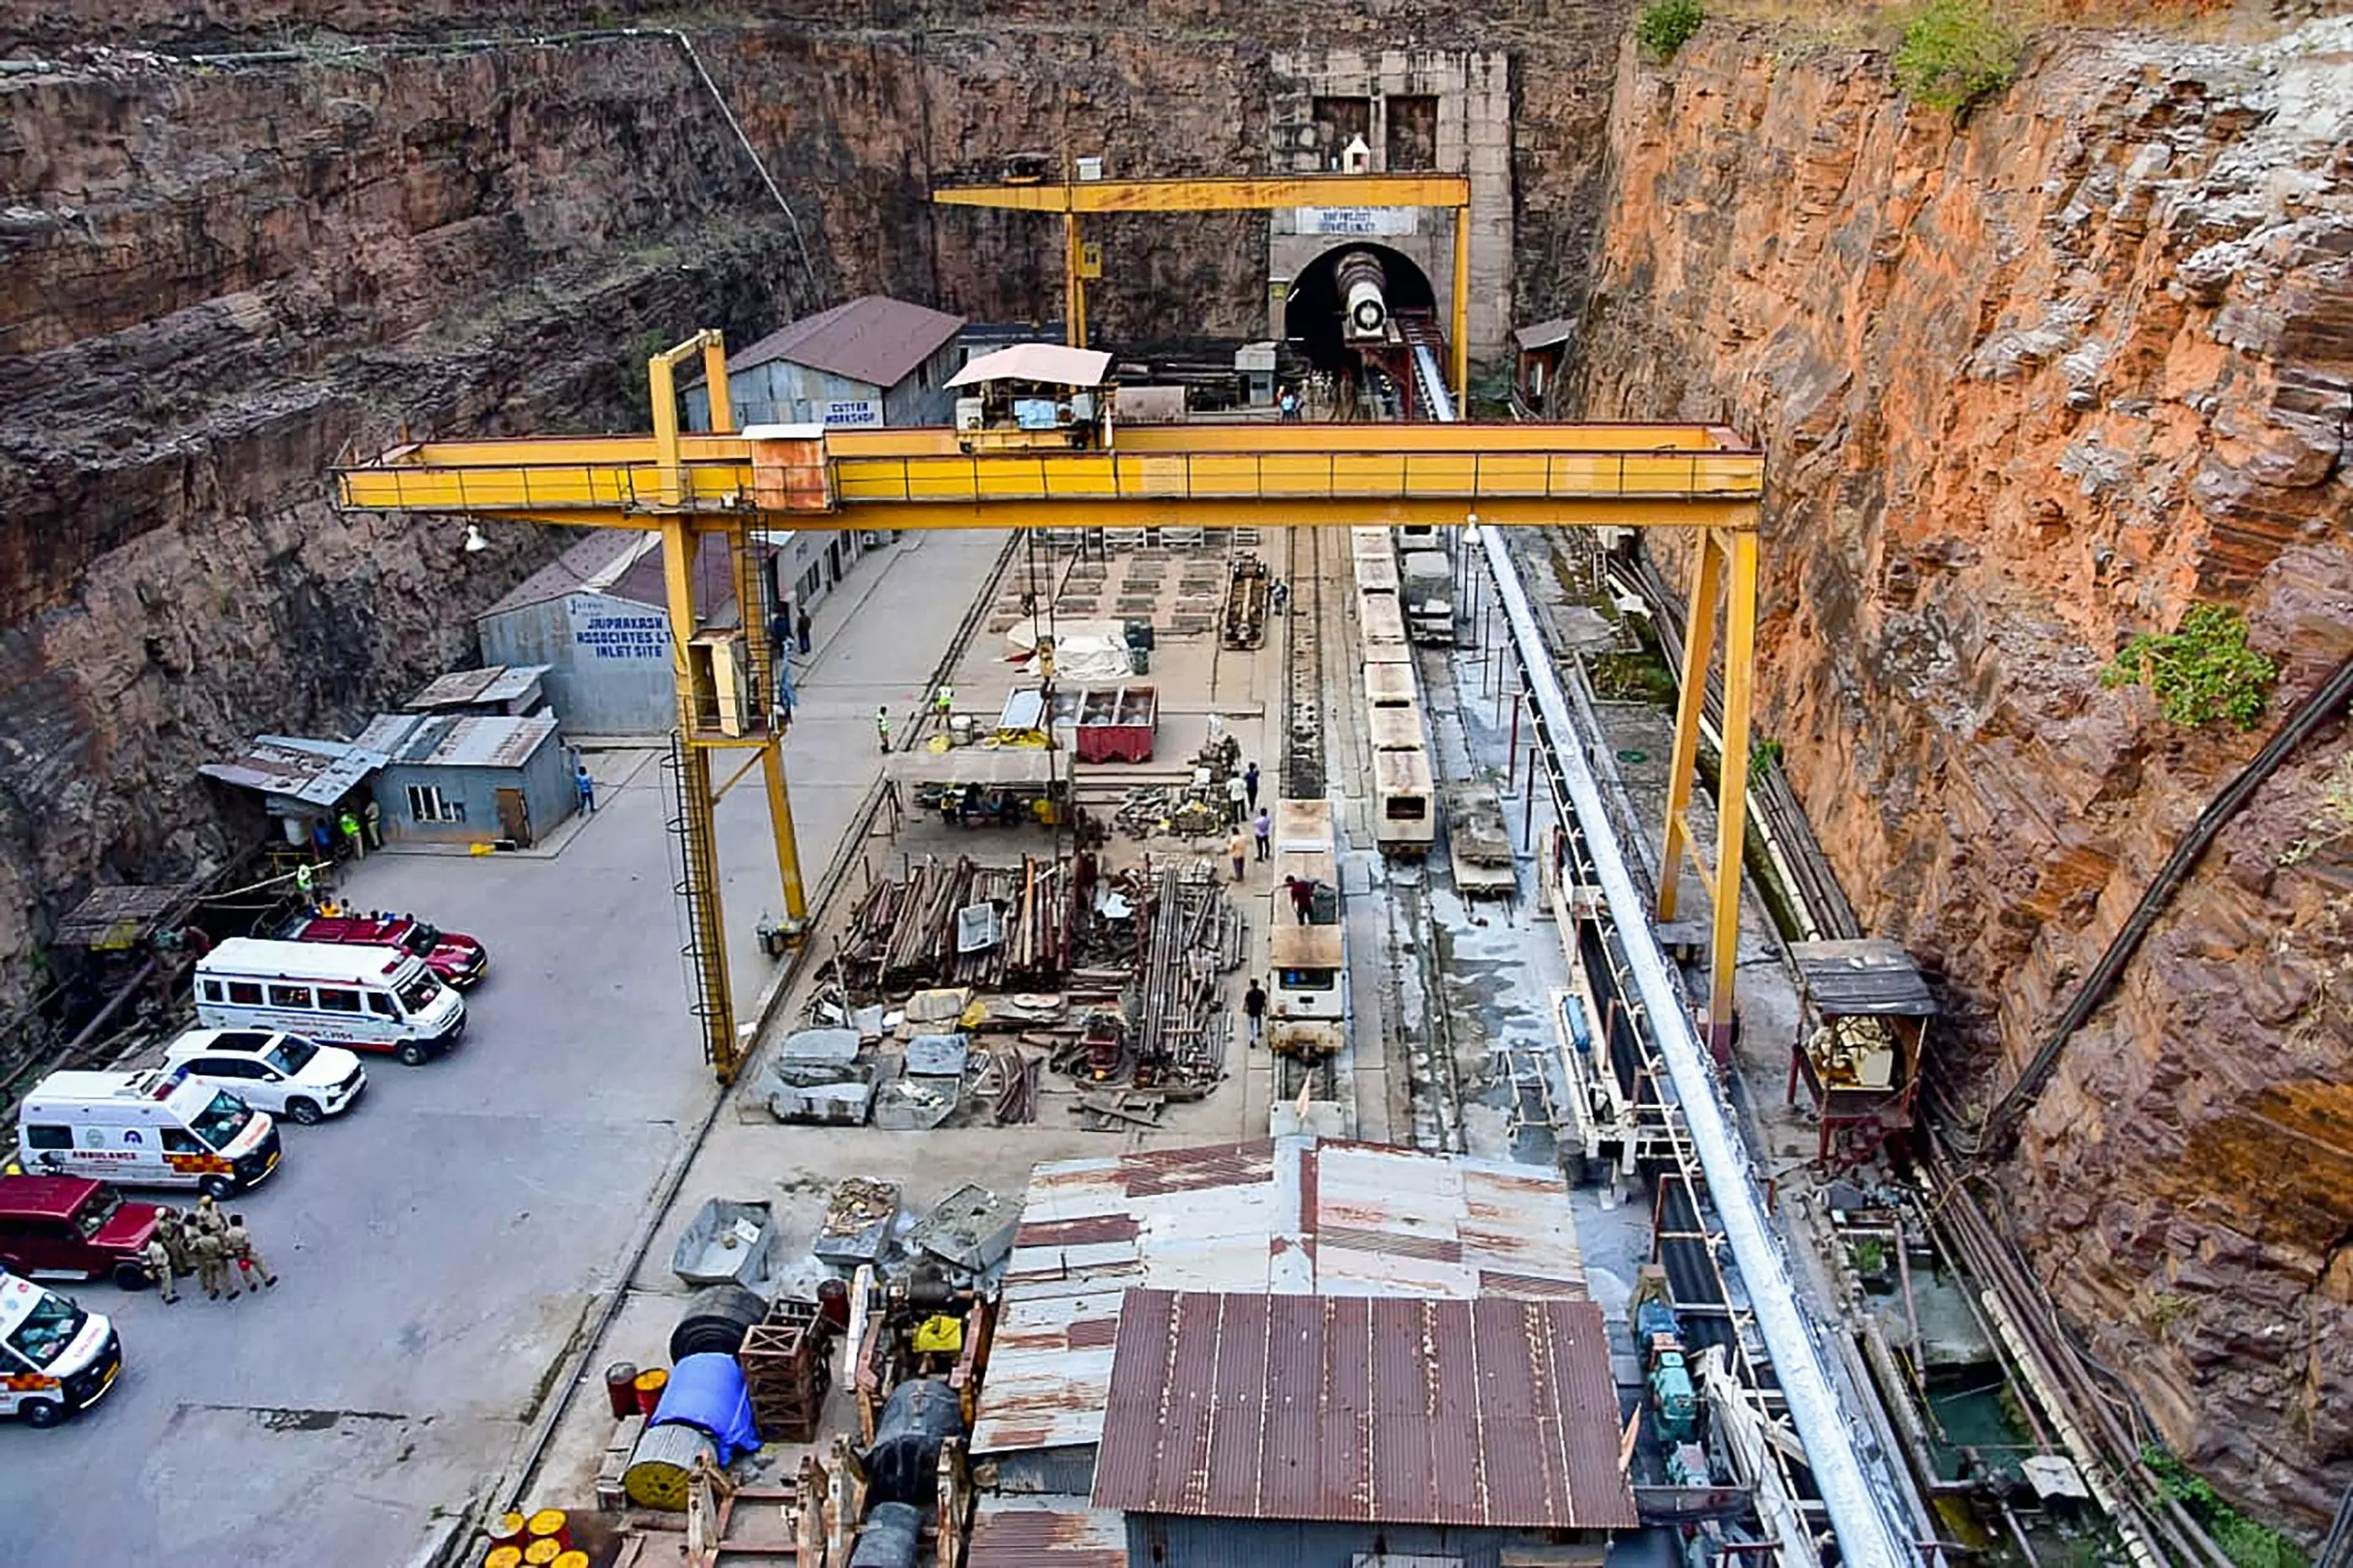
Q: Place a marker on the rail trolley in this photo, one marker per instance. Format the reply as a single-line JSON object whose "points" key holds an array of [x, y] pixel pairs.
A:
{"points": [[1381, 623], [1405, 808], [1308, 1001]]}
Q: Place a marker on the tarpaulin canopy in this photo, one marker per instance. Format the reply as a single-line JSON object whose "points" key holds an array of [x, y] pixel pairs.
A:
{"points": [[706, 1392]]}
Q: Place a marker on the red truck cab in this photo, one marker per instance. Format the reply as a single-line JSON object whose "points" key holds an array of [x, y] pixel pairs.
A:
{"points": [[454, 959], [72, 1226]]}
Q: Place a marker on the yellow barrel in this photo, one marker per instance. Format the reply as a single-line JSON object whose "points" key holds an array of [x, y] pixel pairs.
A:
{"points": [[550, 1524], [572, 1560], [542, 1552], [504, 1557], [508, 1531], [649, 1386]]}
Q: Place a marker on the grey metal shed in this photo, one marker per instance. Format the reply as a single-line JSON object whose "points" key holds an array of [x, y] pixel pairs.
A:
{"points": [[481, 779]]}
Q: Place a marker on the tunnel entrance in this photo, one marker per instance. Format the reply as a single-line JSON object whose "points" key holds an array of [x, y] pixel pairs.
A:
{"points": [[1311, 317]]}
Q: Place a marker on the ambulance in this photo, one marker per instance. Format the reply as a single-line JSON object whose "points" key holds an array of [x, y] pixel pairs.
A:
{"points": [[56, 1360], [160, 1128]]}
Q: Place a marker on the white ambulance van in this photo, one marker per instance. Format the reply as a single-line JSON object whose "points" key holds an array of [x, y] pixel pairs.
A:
{"points": [[362, 998], [56, 1360], [160, 1128]]}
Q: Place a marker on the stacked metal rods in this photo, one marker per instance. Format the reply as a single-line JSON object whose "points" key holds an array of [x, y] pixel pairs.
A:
{"points": [[1196, 939], [906, 932]]}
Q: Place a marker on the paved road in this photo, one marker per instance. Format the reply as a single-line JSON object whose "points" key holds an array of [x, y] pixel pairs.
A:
{"points": [[440, 1245]]}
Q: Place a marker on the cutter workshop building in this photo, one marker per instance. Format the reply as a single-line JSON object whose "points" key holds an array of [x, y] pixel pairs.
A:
{"points": [[1303, 1351]]}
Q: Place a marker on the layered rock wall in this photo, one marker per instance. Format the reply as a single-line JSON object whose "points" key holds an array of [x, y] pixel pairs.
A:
{"points": [[2031, 386]]}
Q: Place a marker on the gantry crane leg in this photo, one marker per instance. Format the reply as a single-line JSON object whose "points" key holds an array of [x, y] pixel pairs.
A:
{"points": [[1725, 567]]}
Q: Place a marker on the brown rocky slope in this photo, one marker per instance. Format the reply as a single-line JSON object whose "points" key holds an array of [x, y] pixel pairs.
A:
{"points": [[2030, 385]]}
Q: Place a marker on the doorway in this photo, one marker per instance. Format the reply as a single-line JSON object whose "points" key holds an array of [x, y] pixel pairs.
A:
{"points": [[514, 818]]}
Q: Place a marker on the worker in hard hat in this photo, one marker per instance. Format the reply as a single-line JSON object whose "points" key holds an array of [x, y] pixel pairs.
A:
{"points": [[942, 700], [882, 727]]}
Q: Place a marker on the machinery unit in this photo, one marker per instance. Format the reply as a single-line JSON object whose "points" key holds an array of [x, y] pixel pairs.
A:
{"points": [[1363, 298], [1673, 1400], [1854, 1053]]}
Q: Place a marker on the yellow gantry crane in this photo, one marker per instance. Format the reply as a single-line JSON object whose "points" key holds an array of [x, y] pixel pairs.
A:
{"points": [[732, 483], [1074, 198]]}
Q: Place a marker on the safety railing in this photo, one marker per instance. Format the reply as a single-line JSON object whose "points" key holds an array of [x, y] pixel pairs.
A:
{"points": [[1342, 476], [734, 485]]}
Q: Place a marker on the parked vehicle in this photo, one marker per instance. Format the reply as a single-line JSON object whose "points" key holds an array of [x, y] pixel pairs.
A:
{"points": [[286, 1074], [362, 998], [56, 1360], [454, 957], [155, 1128], [56, 1227]]}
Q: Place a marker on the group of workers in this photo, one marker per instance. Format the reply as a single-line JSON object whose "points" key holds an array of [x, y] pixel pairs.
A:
{"points": [[213, 1246], [942, 707]]}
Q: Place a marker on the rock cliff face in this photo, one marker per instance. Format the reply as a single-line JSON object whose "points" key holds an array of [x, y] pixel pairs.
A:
{"points": [[215, 283], [2029, 387]]}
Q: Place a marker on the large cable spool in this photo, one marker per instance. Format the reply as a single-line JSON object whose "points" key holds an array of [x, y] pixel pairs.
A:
{"points": [[1364, 295], [715, 1321], [662, 1467]]}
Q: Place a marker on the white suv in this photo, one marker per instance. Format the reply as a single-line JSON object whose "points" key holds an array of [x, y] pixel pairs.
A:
{"points": [[285, 1075]]}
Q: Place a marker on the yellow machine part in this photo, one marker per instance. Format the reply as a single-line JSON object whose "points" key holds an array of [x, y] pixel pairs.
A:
{"points": [[939, 1334]]}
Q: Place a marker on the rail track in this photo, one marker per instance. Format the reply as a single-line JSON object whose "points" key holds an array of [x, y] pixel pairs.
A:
{"points": [[1303, 670]]}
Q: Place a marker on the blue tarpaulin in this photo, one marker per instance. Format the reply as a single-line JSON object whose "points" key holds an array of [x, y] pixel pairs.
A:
{"points": [[706, 1392]]}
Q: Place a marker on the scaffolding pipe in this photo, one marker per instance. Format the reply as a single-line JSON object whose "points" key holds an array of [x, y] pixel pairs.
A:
{"points": [[1867, 1535]]}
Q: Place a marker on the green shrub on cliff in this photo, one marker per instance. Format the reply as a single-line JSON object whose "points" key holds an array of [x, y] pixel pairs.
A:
{"points": [[1666, 25], [1956, 53], [2202, 672]]}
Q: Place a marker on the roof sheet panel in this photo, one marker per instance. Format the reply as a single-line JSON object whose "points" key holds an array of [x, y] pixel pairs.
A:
{"points": [[1010, 1532], [1437, 1411], [873, 339]]}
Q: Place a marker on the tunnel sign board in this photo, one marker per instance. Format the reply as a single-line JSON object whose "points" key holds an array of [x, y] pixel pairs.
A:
{"points": [[602, 629], [1357, 220]]}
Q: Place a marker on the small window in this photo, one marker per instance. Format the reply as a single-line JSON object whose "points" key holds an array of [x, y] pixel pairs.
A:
{"points": [[381, 1005], [1306, 979], [49, 1137], [245, 993], [178, 1141], [290, 996], [332, 1000], [1406, 808], [211, 990]]}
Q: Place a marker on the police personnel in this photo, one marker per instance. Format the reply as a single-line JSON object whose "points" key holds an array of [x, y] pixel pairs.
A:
{"points": [[212, 1265], [158, 1259], [238, 1244]]}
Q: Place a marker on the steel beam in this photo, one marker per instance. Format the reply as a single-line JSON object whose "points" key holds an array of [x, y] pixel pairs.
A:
{"points": [[1238, 194]]}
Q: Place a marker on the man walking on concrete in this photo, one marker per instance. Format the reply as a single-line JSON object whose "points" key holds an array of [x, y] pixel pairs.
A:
{"points": [[1234, 792], [1238, 847], [942, 701], [1264, 826], [372, 818], [238, 1245], [1254, 1010], [350, 830], [801, 629], [882, 728], [587, 784], [1249, 783]]}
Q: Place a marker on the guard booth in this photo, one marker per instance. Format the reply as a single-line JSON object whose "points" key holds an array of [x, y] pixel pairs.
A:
{"points": [[1859, 1043]]}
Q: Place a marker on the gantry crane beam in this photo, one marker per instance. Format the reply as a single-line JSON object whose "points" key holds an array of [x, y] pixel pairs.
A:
{"points": [[1072, 199], [788, 477]]}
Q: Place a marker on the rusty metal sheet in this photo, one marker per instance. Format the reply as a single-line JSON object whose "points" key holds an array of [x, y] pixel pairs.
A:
{"points": [[1190, 1170], [1495, 1413], [1015, 1533]]}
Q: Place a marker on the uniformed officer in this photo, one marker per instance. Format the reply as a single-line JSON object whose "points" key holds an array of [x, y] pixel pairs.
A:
{"points": [[173, 1235], [212, 1265], [158, 1258], [208, 1219], [238, 1244]]}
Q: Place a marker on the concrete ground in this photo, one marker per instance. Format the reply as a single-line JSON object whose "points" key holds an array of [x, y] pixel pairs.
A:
{"points": [[441, 1246]]}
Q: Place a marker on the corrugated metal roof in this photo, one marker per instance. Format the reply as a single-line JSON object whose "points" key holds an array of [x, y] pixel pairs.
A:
{"points": [[590, 566], [316, 773], [1054, 364], [487, 741], [1491, 1412], [1294, 1217], [1546, 334], [1861, 976], [465, 687], [875, 339], [1015, 1532]]}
